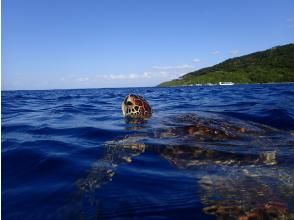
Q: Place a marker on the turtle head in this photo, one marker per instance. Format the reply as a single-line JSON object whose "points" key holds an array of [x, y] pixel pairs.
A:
{"points": [[135, 106]]}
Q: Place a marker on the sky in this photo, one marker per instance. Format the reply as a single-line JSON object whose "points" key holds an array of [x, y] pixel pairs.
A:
{"points": [[63, 44]]}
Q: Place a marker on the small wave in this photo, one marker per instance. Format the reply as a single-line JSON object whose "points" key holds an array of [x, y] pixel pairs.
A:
{"points": [[277, 118], [87, 133]]}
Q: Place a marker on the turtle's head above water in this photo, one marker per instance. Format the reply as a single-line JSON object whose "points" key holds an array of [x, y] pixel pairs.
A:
{"points": [[135, 106]]}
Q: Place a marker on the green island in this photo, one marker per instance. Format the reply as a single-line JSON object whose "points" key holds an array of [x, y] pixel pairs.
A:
{"points": [[275, 65]]}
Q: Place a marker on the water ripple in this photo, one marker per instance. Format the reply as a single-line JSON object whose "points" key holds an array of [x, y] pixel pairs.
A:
{"points": [[207, 151]]}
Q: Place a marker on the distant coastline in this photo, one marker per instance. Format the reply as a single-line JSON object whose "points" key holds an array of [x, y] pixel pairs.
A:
{"points": [[274, 65], [66, 89], [235, 84]]}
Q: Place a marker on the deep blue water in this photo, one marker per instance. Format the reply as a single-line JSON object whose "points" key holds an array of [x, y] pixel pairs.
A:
{"points": [[207, 152]]}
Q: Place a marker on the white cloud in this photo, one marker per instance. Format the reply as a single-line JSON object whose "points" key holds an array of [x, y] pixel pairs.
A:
{"points": [[196, 60], [158, 75], [130, 76], [164, 73], [145, 78], [147, 75], [234, 52], [182, 66], [216, 52], [162, 67], [133, 76], [83, 79], [154, 76], [118, 76]]}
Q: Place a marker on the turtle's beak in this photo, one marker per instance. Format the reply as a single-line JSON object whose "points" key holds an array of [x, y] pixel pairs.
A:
{"points": [[124, 106]]}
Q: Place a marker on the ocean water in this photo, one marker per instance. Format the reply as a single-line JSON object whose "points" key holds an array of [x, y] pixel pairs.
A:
{"points": [[207, 152]]}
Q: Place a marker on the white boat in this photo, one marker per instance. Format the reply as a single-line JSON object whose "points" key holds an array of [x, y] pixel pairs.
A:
{"points": [[226, 83]]}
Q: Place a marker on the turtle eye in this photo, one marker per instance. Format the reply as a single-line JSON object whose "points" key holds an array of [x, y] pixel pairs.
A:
{"points": [[129, 103]]}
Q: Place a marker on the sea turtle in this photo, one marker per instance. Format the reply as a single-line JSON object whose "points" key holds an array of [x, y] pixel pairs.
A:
{"points": [[245, 193], [188, 149], [135, 106]]}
